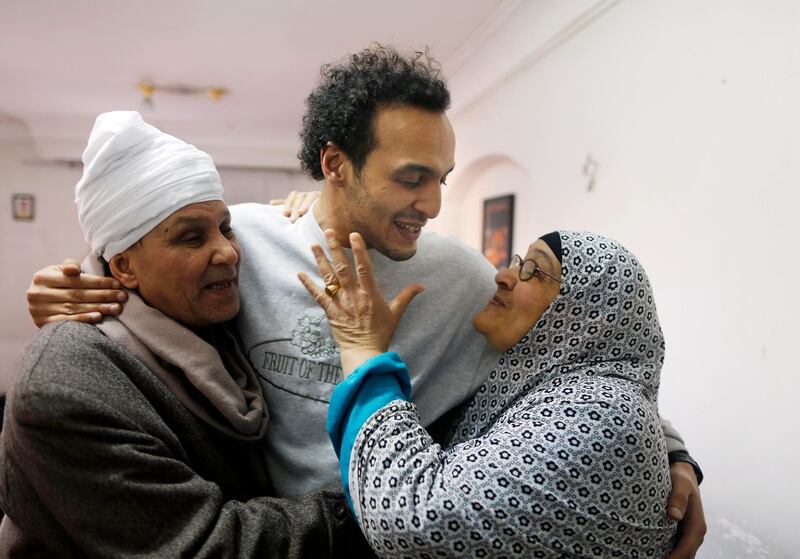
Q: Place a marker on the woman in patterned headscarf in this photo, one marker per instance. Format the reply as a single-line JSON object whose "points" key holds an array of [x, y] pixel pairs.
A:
{"points": [[559, 454]]}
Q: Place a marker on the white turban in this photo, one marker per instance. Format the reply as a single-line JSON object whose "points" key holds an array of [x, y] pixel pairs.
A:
{"points": [[134, 177]]}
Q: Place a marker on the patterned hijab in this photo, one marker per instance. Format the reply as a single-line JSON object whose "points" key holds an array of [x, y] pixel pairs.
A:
{"points": [[602, 323]]}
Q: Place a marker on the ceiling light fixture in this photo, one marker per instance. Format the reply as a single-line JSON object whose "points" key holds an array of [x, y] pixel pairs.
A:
{"points": [[149, 89]]}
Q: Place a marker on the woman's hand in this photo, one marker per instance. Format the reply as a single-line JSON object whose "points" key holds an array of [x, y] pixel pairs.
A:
{"points": [[296, 205], [361, 320]]}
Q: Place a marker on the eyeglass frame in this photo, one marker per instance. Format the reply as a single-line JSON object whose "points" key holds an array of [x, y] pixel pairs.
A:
{"points": [[521, 264]]}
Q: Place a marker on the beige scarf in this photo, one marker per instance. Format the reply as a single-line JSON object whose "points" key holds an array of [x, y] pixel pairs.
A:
{"points": [[213, 380]]}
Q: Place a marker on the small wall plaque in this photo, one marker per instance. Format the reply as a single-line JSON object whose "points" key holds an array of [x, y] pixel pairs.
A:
{"points": [[23, 206]]}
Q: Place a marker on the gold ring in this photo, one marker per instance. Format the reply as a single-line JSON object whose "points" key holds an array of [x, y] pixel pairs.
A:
{"points": [[332, 289]]}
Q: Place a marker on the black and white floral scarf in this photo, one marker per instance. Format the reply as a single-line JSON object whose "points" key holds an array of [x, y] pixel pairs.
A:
{"points": [[603, 323], [559, 454]]}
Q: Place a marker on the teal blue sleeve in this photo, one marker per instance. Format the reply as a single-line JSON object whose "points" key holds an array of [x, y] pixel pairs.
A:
{"points": [[373, 385]]}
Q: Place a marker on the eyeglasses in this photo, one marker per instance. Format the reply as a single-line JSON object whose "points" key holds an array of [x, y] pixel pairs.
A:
{"points": [[527, 268]]}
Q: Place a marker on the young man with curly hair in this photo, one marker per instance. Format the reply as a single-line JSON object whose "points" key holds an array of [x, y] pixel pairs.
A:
{"points": [[376, 133]]}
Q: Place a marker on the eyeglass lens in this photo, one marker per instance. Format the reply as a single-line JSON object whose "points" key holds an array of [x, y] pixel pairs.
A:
{"points": [[528, 267]]}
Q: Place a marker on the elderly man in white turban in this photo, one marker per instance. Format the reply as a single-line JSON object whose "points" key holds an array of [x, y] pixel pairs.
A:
{"points": [[140, 436]]}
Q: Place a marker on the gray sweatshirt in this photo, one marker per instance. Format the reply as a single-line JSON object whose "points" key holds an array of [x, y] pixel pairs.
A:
{"points": [[287, 339]]}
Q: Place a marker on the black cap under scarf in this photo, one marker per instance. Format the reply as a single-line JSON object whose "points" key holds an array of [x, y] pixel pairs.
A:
{"points": [[553, 240]]}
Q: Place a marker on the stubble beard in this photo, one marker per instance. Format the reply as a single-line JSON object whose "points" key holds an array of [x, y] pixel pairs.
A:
{"points": [[362, 220]]}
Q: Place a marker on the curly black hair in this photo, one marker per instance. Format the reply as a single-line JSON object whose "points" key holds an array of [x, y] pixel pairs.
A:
{"points": [[342, 106]]}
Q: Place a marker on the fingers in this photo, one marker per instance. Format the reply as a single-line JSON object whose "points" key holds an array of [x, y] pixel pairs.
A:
{"points": [[64, 293], [44, 313], [72, 309], [341, 265], [691, 532], [41, 295], [296, 204], [363, 264], [325, 269], [686, 506], [308, 200], [678, 501], [399, 304], [70, 267], [289, 204], [53, 276], [303, 204], [299, 200], [695, 528], [315, 291], [684, 483]]}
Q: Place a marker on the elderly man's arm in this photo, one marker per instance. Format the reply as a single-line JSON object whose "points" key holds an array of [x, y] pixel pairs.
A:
{"points": [[94, 476]]}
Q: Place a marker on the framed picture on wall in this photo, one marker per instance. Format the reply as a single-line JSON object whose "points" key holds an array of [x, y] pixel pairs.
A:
{"points": [[498, 229], [22, 207]]}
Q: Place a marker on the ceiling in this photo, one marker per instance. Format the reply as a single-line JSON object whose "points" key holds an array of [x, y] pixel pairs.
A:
{"points": [[64, 61]]}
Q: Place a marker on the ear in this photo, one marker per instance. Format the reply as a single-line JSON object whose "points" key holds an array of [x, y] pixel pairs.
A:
{"points": [[121, 269], [333, 161]]}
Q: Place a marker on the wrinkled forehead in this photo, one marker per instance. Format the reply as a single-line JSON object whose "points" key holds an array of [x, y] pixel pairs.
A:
{"points": [[201, 215], [540, 252], [211, 208]]}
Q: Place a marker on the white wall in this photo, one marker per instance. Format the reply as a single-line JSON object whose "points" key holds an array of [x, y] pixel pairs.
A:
{"points": [[27, 246], [691, 110], [262, 185]]}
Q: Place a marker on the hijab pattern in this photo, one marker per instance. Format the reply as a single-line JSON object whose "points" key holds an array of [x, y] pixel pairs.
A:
{"points": [[603, 323], [559, 454]]}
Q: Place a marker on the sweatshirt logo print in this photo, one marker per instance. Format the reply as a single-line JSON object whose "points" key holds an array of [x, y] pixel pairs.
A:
{"points": [[312, 337]]}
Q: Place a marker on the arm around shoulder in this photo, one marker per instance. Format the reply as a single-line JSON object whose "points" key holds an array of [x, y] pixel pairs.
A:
{"points": [[63, 292]]}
